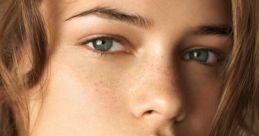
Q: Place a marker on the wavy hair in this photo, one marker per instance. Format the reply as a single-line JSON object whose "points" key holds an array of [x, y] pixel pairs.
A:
{"points": [[23, 37]]}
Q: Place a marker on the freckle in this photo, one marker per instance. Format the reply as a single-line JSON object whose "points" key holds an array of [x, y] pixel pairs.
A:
{"points": [[162, 56]]}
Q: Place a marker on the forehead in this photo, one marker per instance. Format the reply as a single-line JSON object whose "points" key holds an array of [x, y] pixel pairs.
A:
{"points": [[158, 10]]}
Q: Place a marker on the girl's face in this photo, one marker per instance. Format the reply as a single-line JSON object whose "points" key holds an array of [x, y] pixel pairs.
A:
{"points": [[132, 67]]}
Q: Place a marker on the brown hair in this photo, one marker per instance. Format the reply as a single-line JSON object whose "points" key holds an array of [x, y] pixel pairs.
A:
{"points": [[238, 113], [23, 37]]}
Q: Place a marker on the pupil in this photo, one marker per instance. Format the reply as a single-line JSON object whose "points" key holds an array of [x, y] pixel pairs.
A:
{"points": [[100, 42], [200, 55], [196, 54], [103, 44]]}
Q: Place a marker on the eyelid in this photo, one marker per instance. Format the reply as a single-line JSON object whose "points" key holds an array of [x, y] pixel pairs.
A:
{"points": [[117, 38], [219, 53]]}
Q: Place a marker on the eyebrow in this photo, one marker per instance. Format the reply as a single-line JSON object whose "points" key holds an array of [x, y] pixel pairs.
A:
{"points": [[118, 15], [115, 14], [222, 30]]}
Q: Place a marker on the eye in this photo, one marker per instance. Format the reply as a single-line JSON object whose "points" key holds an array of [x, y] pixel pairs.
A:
{"points": [[105, 45], [203, 56]]}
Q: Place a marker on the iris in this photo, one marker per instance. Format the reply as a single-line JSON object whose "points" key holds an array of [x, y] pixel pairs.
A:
{"points": [[103, 45], [200, 55]]}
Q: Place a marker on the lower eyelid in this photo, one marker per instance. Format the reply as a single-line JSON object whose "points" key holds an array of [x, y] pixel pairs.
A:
{"points": [[92, 50], [218, 55], [123, 40]]}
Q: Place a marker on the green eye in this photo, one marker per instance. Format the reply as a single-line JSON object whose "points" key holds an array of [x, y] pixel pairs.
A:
{"points": [[105, 44], [203, 56], [102, 44]]}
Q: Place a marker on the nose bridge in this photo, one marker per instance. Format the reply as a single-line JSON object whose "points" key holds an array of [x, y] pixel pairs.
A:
{"points": [[156, 93]]}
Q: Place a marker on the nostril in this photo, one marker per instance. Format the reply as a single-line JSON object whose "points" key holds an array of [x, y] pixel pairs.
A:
{"points": [[180, 118], [149, 112], [175, 121]]}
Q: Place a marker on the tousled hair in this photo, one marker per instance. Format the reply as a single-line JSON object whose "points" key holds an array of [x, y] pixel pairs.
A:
{"points": [[238, 113], [22, 39], [23, 43]]}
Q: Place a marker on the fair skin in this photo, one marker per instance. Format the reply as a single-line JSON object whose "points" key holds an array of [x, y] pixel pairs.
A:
{"points": [[158, 77]]}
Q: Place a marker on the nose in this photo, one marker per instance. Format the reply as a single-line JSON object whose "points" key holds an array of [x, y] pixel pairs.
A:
{"points": [[156, 96]]}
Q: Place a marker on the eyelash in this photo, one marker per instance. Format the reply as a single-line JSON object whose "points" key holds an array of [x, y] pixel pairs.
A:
{"points": [[117, 39], [114, 39], [218, 55]]}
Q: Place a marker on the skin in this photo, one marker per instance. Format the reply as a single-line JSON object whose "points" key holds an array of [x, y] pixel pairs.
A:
{"points": [[147, 87]]}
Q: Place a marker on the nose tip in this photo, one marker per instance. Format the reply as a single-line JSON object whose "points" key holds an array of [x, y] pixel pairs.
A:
{"points": [[158, 102], [158, 109], [160, 113], [156, 97]]}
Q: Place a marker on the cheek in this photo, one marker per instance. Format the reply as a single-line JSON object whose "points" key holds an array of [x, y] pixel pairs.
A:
{"points": [[78, 99], [201, 115], [202, 94], [87, 88], [202, 108]]}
